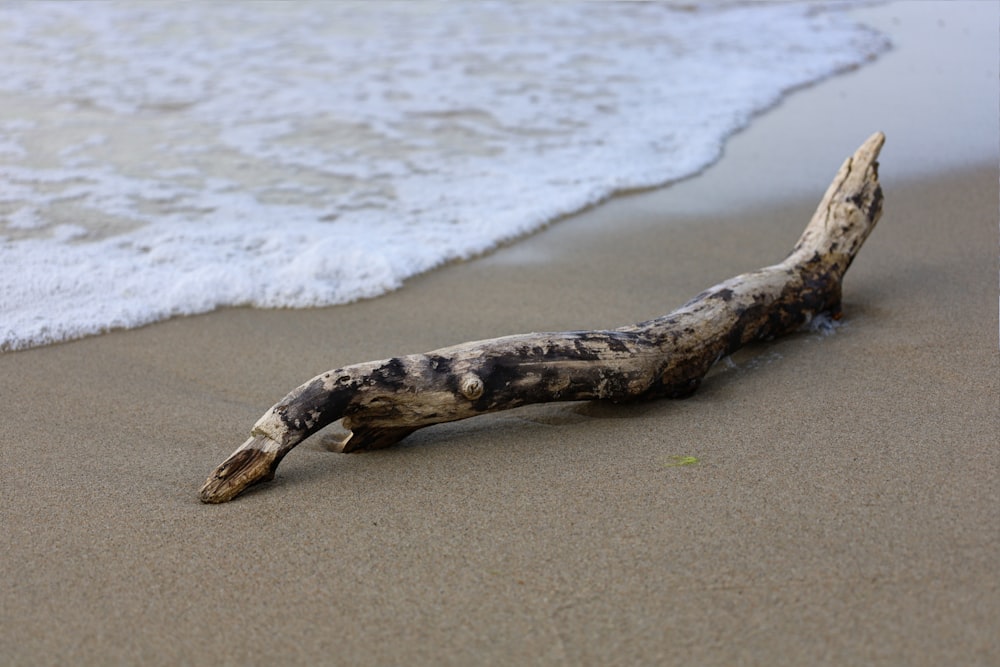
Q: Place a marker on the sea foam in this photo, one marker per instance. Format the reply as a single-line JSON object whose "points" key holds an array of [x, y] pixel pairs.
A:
{"points": [[169, 159]]}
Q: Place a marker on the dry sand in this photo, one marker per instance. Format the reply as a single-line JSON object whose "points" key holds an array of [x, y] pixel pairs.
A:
{"points": [[844, 508]]}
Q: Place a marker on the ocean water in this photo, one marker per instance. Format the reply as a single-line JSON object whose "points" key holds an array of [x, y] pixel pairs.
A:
{"points": [[159, 160]]}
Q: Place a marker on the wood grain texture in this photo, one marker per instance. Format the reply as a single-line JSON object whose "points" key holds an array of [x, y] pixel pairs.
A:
{"points": [[382, 402]]}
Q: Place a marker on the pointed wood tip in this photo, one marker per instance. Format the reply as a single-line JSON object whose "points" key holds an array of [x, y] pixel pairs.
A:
{"points": [[875, 142], [848, 212], [867, 154], [254, 462]]}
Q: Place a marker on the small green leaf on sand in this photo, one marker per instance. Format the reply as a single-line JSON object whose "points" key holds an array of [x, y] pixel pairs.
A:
{"points": [[677, 461]]}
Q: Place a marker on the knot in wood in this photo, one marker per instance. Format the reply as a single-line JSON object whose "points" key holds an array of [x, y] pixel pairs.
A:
{"points": [[471, 386]]}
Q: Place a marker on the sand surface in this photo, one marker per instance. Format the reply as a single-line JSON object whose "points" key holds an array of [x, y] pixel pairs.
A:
{"points": [[844, 507]]}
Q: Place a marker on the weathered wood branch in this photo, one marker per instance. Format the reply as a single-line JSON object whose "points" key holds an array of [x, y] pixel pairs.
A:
{"points": [[382, 402]]}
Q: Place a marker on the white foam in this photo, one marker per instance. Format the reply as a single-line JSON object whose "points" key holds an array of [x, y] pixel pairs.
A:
{"points": [[166, 160]]}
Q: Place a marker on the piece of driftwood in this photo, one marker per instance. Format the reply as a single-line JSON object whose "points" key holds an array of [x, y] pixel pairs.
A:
{"points": [[382, 402]]}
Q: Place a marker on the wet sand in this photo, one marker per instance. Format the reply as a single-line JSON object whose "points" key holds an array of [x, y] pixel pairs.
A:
{"points": [[843, 508]]}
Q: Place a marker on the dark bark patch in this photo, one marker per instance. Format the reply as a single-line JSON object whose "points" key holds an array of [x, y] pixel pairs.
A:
{"points": [[617, 345], [391, 375], [725, 294], [438, 363], [585, 351], [298, 410]]}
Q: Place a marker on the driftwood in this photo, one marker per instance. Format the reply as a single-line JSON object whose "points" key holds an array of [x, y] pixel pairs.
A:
{"points": [[382, 402]]}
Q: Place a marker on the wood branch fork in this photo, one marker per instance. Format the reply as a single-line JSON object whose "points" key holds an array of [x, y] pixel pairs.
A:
{"points": [[382, 402]]}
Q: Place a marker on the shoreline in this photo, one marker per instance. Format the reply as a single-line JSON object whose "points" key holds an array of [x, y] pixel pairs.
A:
{"points": [[839, 512], [724, 186], [132, 203]]}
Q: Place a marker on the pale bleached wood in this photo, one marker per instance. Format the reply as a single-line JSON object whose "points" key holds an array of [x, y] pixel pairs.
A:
{"points": [[381, 402]]}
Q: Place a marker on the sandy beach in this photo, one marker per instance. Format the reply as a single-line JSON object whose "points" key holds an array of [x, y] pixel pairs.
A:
{"points": [[843, 508]]}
